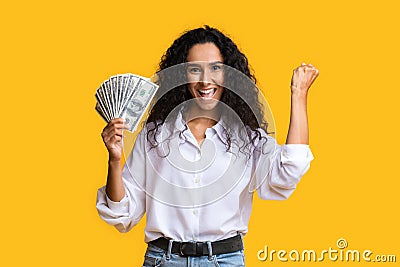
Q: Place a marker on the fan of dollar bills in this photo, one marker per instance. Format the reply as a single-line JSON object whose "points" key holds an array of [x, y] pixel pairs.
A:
{"points": [[125, 96]]}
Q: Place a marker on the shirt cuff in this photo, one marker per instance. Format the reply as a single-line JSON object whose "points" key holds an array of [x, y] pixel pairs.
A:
{"points": [[118, 207], [297, 151]]}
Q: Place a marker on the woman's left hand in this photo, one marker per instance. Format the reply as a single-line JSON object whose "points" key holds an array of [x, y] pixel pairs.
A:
{"points": [[303, 77]]}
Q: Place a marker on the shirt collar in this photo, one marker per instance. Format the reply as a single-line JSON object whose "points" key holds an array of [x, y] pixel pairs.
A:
{"points": [[219, 128]]}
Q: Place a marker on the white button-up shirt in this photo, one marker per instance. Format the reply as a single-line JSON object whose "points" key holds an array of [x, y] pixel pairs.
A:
{"points": [[202, 193]]}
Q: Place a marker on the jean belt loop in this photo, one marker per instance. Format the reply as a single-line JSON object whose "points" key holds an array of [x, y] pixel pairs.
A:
{"points": [[210, 252], [241, 237], [168, 256]]}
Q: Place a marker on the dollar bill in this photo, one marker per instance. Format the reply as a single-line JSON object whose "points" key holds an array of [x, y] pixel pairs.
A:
{"points": [[138, 104], [101, 109], [112, 91], [133, 83], [101, 112], [105, 89], [125, 96]]}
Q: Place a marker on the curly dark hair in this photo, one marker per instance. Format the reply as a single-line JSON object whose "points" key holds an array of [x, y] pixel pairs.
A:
{"points": [[246, 106]]}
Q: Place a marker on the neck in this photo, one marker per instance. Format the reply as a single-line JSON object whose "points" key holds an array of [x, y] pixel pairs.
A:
{"points": [[198, 116]]}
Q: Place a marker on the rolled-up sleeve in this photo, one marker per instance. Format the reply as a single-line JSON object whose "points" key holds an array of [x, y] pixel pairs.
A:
{"points": [[126, 213], [280, 171]]}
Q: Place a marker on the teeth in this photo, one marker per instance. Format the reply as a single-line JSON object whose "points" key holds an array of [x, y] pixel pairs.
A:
{"points": [[206, 91]]}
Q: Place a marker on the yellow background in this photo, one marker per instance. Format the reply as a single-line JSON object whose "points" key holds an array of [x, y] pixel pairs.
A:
{"points": [[54, 54]]}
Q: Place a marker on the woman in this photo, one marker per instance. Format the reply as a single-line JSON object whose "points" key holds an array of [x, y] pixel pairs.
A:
{"points": [[203, 152]]}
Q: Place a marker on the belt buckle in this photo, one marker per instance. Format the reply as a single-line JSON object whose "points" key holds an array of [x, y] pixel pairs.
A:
{"points": [[188, 248]]}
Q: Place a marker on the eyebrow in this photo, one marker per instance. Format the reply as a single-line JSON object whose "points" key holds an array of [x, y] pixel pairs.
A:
{"points": [[216, 62], [209, 63]]}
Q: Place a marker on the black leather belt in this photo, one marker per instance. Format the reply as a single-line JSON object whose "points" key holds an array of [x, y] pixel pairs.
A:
{"points": [[193, 248]]}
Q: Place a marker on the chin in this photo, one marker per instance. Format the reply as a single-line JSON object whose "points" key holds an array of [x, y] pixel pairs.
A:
{"points": [[206, 104]]}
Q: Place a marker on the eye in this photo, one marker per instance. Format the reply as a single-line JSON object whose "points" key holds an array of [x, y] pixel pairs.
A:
{"points": [[216, 67], [194, 70]]}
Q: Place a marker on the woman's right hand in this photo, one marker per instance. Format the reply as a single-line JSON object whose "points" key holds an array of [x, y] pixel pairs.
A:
{"points": [[112, 138]]}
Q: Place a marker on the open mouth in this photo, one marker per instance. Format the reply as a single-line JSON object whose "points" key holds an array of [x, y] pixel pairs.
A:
{"points": [[209, 93]]}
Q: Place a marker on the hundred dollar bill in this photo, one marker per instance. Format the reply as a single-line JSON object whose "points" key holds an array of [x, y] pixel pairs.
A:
{"points": [[125, 95], [132, 85], [112, 92], [138, 104], [101, 112], [105, 89]]}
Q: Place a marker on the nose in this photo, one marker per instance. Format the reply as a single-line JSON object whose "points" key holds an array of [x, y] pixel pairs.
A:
{"points": [[205, 78]]}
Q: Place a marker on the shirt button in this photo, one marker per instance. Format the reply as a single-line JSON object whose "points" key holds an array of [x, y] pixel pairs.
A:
{"points": [[195, 212], [196, 180]]}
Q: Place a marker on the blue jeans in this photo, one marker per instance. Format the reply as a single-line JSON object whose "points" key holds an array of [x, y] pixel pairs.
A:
{"points": [[158, 257]]}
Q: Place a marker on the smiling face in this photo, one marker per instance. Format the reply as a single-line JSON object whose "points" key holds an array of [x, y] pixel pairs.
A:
{"points": [[205, 74]]}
